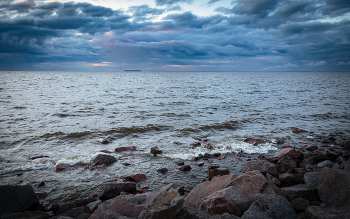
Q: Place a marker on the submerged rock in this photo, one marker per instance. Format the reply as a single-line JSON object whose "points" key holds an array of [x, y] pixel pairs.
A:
{"points": [[121, 149], [61, 167], [139, 177], [185, 168], [156, 150], [101, 159]]}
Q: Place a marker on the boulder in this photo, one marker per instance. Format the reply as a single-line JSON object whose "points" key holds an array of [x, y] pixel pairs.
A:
{"points": [[185, 168], [93, 205], [76, 213], [266, 206], [345, 145], [273, 179], [61, 167], [287, 178], [188, 213], [204, 189], [200, 164], [129, 205], [217, 172], [334, 187], [262, 166], [139, 177], [253, 183], [347, 166], [317, 212], [112, 189], [299, 191], [27, 215], [155, 151], [17, 198], [121, 149], [104, 211], [101, 159], [326, 163], [256, 141], [65, 207], [228, 200], [311, 148], [168, 206], [288, 152], [300, 204]]}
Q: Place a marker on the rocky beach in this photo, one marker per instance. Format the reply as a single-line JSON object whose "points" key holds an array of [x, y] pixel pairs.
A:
{"points": [[308, 181]]}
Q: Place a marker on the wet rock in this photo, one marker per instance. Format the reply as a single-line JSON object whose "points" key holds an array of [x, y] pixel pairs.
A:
{"points": [[121, 149], [41, 194], [167, 206], [106, 151], [300, 191], [217, 172], [111, 190], [288, 152], [253, 183], [326, 141], [105, 142], [228, 200], [300, 204], [65, 207], [345, 145], [287, 178], [155, 151], [61, 167], [273, 179], [105, 211], [256, 141], [210, 161], [101, 159], [200, 164], [347, 166], [266, 206], [179, 161], [334, 187], [298, 130], [316, 212], [185, 168], [139, 177], [188, 213], [93, 205], [209, 146], [206, 155], [126, 164], [311, 148], [204, 189], [326, 163], [214, 166], [262, 166], [36, 157], [78, 213], [41, 184], [27, 214], [195, 144], [17, 198], [194, 158], [162, 170], [220, 157]]}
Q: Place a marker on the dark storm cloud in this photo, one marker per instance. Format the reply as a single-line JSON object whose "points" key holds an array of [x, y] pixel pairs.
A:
{"points": [[260, 8], [96, 11], [21, 7], [171, 2], [292, 8], [187, 19]]}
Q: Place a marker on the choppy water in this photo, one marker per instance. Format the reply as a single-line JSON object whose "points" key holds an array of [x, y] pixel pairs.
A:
{"points": [[66, 115]]}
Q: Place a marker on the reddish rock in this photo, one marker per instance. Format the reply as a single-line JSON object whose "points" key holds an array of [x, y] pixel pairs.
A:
{"points": [[104, 142], [194, 158], [290, 152], [121, 149], [206, 155], [156, 150], [228, 200], [179, 161], [126, 164], [113, 189], [139, 177], [214, 166], [298, 130], [101, 159], [185, 168], [262, 166], [273, 179], [210, 161], [217, 154], [311, 148], [270, 159], [256, 141], [106, 151], [300, 204], [195, 144], [345, 145], [217, 172], [208, 146], [162, 170], [220, 157], [61, 167], [200, 164]]}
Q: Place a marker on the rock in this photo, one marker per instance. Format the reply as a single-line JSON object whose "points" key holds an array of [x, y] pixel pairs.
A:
{"points": [[162, 170], [188, 213], [220, 157], [334, 187], [200, 164], [17, 198], [36, 157], [298, 130], [273, 179], [300, 191], [228, 200], [41, 184], [287, 178], [155, 151], [139, 177], [326, 163], [217, 172], [253, 183], [121, 149], [204, 189], [41, 194], [93, 205], [166, 207], [65, 207], [311, 148], [75, 213], [256, 141], [27, 215], [345, 145], [300, 204], [214, 166], [347, 166], [106, 151], [101, 159], [112, 189], [266, 206], [262, 166], [195, 144], [104, 211], [288, 152], [126, 164], [179, 161], [224, 216], [208, 146], [61, 167], [185, 168], [316, 212]]}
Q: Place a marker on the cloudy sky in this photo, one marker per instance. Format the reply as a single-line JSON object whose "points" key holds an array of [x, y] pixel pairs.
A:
{"points": [[175, 35]]}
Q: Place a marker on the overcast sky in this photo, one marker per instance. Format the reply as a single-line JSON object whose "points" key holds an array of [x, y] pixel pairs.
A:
{"points": [[175, 35]]}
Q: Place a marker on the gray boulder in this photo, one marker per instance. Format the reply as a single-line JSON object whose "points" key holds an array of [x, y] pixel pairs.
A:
{"points": [[316, 212], [262, 166], [112, 189], [267, 206], [102, 159], [300, 191], [326, 163], [217, 172], [312, 179]]}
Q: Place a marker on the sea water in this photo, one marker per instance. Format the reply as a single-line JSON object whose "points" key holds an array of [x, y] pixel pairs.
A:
{"points": [[66, 115]]}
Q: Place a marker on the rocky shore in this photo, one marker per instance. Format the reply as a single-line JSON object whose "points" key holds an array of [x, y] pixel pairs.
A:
{"points": [[304, 181]]}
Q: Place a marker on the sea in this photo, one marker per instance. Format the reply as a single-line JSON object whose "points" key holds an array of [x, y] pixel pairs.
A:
{"points": [[66, 116]]}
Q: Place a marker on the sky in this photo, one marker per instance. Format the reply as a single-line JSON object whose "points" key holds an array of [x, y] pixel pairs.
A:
{"points": [[175, 35]]}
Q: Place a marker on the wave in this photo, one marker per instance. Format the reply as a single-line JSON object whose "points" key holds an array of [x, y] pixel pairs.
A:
{"points": [[226, 125]]}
